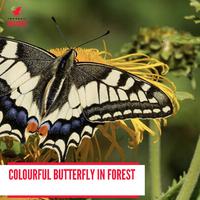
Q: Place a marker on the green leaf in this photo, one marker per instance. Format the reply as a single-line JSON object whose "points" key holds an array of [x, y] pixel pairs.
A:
{"points": [[193, 83], [2, 145], [165, 54], [191, 179], [173, 190], [155, 46], [195, 4], [181, 95], [197, 21], [1, 29], [191, 17], [16, 147]]}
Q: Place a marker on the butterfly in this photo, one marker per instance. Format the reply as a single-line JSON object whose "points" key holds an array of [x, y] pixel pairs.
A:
{"points": [[65, 100]]}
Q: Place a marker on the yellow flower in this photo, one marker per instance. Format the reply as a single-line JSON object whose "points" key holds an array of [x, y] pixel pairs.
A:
{"points": [[138, 64]]}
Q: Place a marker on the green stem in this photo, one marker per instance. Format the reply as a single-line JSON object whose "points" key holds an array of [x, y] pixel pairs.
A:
{"points": [[192, 176], [154, 163]]}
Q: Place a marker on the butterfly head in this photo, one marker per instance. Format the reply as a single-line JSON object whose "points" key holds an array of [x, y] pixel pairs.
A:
{"points": [[70, 55], [66, 62]]}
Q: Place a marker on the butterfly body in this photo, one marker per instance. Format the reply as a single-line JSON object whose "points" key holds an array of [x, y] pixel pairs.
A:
{"points": [[64, 100], [60, 70]]}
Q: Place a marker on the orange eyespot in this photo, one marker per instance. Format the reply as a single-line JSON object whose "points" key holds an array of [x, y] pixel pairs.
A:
{"points": [[43, 130], [32, 127]]}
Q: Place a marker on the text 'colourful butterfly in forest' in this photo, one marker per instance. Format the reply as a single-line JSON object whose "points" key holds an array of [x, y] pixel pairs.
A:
{"points": [[64, 100]]}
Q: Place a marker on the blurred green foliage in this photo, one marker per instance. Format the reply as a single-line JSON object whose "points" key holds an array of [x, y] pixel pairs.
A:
{"points": [[180, 50], [196, 16], [1, 23], [81, 20]]}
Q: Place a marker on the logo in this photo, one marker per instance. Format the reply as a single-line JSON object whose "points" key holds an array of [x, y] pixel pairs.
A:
{"points": [[15, 13]]}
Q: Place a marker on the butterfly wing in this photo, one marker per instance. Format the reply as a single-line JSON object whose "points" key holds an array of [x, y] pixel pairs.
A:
{"points": [[22, 67], [67, 124], [22, 95], [98, 93], [13, 119], [64, 134], [92, 94], [19, 62], [109, 94]]}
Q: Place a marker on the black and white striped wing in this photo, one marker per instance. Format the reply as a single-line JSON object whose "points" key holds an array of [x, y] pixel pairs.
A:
{"points": [[95, 93], [19, 63], [64, 134], [67, 124], [90, 94], [22, 67], [109, 94]]}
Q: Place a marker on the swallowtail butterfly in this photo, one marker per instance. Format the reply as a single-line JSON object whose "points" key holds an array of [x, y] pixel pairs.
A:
{"points": [[64, 100]]}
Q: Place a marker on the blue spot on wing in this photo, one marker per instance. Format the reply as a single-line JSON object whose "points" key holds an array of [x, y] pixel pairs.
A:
{"points": [[11, 114], [62, 129], [65, 129], [22, 118], [14, 115], [3, 98], [76, 124], [55, 129], [6, 103]]}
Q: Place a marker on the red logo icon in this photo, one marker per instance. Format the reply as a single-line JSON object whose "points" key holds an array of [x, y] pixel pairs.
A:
{"points": [[16, 18], [17, 11]]}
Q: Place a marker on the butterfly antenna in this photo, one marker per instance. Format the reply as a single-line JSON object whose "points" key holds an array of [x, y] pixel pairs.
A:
{"points": [[106, 33], [60, 31]]}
